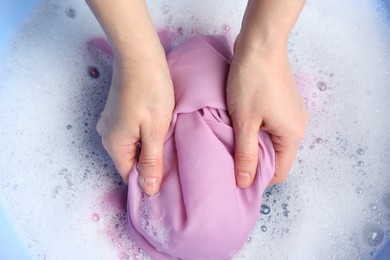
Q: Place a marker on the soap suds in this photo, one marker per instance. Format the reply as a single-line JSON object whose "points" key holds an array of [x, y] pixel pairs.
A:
{"points": [[154, 228], [55, 173]]}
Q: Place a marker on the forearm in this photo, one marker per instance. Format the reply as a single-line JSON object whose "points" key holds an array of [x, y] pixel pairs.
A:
{"points": [[267, 23], [129, 28]]}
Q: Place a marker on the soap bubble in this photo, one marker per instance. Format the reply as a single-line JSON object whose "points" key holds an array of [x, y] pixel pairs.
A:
{"points": [[360, 163], [359, 190], [373, 235], [321, 85], [263, 228], [70, 13], [373, 206], [360, 151], [225, 28], [95, 217], [93, 72], [165, 9], [265, 209]]}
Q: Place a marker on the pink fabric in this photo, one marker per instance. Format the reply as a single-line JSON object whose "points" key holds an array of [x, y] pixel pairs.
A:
{"points": [[200, 213]]}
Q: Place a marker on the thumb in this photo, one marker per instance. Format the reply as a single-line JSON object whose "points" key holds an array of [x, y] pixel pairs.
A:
{"points": [[246, 154], [150, 163]]}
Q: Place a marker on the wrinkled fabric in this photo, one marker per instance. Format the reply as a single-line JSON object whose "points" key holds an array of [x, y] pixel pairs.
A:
{"points": [[199, 213]]}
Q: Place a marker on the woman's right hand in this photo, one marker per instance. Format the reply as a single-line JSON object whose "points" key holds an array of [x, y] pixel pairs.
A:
{"points": [[138, 110], [140, 103]]}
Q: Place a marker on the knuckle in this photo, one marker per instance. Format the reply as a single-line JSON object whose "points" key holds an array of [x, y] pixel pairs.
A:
{"points": [[296, 125], [242, 121], [102, 123], [148, 163], [112, 145], [99, 128], [106, 142], [155, 130], [298, 130], [299, 134], [246, 157]]}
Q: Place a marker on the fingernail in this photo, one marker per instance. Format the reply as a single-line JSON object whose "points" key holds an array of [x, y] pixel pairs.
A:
{"points": [[244, 179], [151, 185]]}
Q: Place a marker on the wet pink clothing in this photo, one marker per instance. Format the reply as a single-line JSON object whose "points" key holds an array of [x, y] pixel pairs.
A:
{"points": [[200, 213]]}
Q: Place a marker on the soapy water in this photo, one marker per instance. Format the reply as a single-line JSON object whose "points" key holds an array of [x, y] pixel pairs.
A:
{"points": [[62, 193]]}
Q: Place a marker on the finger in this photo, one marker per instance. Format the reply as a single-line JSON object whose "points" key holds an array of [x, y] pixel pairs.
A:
{"points": [[150, 163], [246, 154], [123, 153], [285, 156], [123, 157]]}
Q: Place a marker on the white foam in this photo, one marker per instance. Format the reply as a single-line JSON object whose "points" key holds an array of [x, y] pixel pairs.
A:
{"points": [[54, 169], [155, 228]]}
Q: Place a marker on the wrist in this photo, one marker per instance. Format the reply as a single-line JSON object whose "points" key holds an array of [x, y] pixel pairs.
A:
{"points": [[263, 36], [267, 24], [252, 50], [128, 54], [261, 29]]}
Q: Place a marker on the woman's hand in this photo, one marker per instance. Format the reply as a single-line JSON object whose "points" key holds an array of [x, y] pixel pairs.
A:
{"points": [[261, 94], [140, 102], [138, 110]]}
